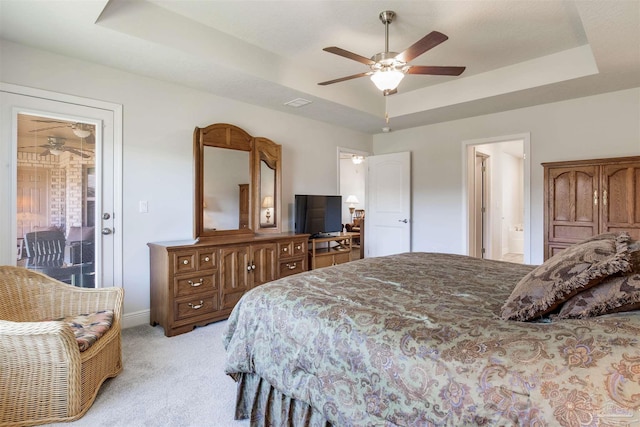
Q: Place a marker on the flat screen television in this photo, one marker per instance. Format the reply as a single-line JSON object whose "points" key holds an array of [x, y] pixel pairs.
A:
{"points": [[318, 215]]}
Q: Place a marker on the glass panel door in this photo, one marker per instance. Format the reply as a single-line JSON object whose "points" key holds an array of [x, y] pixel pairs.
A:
{"points": [[55, 209], [62, 183]]}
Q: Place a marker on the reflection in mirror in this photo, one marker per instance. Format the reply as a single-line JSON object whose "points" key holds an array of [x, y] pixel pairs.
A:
{"points": [[225, 189], [267, 194]]}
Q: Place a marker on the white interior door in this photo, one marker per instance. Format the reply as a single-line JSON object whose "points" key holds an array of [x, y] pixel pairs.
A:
{"points": [[388, 212], [15, 101]]}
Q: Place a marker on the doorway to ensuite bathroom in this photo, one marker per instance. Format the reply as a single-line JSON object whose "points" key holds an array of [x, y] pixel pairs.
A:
{"points": [[497, 198]]}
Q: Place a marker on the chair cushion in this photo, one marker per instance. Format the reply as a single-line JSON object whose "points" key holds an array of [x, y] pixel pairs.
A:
{"points": [[88, 328]]}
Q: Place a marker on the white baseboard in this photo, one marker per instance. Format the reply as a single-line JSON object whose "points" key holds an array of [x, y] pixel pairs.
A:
{"points": [[138, 318]]}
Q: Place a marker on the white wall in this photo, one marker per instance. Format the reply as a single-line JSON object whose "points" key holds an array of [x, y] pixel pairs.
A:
{"points": [[606, 125], [512, 197], [159, 119]]}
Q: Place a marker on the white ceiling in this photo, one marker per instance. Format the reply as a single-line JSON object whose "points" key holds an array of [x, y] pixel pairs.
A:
{"points": [[517, 52]]}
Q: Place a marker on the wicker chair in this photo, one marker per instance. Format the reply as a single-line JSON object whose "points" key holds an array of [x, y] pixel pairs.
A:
{"points": [[44, 377]]}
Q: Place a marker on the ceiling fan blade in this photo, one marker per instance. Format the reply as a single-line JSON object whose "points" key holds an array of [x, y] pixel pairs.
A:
{"points": [[436, 70], [52, 127], [349, 55], [76, 152], [342, 79], [45, 152], [91, 139], [431, 40]]}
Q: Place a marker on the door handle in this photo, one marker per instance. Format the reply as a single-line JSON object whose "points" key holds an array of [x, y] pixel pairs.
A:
{"points": [[106, 231], [403, 220]]}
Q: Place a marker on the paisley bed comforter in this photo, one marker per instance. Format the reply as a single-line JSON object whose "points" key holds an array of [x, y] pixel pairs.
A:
{"points": [[415, 340]]}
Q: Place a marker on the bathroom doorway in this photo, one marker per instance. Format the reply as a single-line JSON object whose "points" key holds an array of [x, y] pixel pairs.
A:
{"points": [[497, 198]]}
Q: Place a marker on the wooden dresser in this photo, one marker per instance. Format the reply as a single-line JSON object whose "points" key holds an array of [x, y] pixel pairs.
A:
{"points": [[588, 197], [193, 284]]}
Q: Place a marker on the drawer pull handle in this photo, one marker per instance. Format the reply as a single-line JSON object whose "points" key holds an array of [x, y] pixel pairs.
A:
{"points": [[195, 285], [285, 249], [292, 266], [197, 306], [185, 262], [298, 247], [253, 266], [206, 259]]}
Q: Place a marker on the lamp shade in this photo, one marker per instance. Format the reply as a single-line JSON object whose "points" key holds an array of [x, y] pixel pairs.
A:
{"points": [[267, 202], [352, 199], [387, 79]]}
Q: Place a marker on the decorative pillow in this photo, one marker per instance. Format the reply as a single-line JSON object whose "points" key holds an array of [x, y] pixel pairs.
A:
{"points": [[612, 295], [634, 251], [578, 267]]}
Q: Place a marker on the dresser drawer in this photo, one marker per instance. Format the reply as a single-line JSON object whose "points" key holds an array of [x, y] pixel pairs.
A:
{"points": [[195, 306], [184, 261], [195, 283], [287, 268], [207, 258], [291, 249], [194, 260]]}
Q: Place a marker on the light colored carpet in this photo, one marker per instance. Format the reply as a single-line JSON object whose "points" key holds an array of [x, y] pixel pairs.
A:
{"points": [[177, 381]]}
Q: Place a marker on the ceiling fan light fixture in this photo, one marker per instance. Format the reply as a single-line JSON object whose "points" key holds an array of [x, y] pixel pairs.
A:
{"points": [[81, 133], [387, 79], [357, 159]]}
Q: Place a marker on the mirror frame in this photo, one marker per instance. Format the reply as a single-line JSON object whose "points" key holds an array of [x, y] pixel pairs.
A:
{"points": [[224, 135], [271, 153]]}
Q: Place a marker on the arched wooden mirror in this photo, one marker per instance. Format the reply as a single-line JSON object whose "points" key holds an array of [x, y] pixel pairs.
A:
{"points": [[237, 182]]}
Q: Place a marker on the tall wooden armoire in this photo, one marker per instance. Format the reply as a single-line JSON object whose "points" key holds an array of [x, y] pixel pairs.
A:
{"points": [[583, 198]]}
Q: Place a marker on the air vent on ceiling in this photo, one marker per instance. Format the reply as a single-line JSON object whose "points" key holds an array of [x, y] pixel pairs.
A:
{"points": [[298, 102]]}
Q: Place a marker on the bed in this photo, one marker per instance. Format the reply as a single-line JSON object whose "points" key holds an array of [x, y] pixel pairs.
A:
{"points": [[419, 339]]}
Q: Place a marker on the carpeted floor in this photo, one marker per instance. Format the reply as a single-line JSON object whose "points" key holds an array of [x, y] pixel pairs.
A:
{"points": [[176, 381]]}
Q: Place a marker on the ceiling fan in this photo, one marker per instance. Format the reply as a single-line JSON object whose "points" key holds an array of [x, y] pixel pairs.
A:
{"points": [[81, 130], [56, 146], [389, 68]]}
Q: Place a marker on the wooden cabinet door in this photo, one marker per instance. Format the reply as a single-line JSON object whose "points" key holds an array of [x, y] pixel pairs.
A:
{"points": [[234, 274], [620, 189], [573, 203], [265, 260]]}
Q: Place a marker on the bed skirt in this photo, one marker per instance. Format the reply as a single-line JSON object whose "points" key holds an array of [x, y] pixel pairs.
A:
{"points": [[265, 406]]}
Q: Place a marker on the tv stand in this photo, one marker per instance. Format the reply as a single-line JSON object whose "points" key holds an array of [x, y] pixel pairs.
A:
{"points": [[331, 250]]}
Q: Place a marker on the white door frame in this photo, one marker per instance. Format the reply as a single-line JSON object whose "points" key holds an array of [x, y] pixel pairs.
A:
{"points": [[8, 214], [345, 150], [526, 138]]}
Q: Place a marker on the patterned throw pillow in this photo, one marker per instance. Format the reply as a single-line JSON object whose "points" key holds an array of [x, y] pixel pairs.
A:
{"points": [[612, 295], [578, 267], [634, 250]]}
